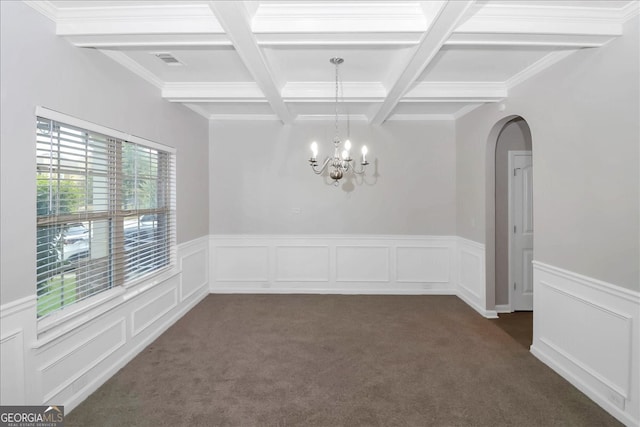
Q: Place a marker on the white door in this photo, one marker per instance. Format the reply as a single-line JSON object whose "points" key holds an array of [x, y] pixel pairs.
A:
{"points": [[521, 230]]}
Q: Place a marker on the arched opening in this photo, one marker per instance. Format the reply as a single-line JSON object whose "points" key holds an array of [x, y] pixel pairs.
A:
{"points": [[509, 162], [513, 141]]}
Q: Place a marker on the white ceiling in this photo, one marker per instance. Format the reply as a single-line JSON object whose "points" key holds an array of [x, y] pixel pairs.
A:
{"points": [[403, 60]]}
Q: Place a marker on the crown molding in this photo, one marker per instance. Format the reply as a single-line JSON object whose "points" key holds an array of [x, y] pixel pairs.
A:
{"points": [[332, 117], [294, 91], [457, 91], [537, 67], [197, 109], [153, 41], [404, 38], [527, 39], [631, 10], [133, 66], [466, 110], [45, 7], [420, 117], [230, 117], [141, 19], [332, 17], [212, 91], [243, 117]]}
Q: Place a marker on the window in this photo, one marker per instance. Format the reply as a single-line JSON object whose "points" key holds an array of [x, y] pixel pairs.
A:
{"points": [[105, 210]]}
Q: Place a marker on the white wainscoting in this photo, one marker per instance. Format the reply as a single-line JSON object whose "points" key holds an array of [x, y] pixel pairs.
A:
{"points": [[14, 320], [588, 331], [471, 281], [333, 264], [65, 367]]}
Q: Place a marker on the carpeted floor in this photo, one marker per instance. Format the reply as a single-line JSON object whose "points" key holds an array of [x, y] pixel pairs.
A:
{"points": [[332, 360], [519, 325]]}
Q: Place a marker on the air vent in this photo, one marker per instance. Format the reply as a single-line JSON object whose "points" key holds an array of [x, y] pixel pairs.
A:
{"points": [[167, 58]]}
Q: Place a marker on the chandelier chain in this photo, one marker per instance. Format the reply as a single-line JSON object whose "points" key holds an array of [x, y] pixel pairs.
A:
{"points": [[336, 103]]}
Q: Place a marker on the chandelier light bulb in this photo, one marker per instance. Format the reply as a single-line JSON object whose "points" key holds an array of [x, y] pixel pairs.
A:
{"points": [[347, 145], [345, 154], [364, 153], [314, 149]]}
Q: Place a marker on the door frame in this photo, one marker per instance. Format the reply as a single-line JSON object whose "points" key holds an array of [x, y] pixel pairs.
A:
{"points": [[510, 162]]}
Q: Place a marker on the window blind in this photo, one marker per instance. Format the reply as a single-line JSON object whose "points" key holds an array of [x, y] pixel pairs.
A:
{"points": [[105, 212]]}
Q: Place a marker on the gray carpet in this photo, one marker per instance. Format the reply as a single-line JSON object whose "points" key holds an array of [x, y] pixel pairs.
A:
{"points": [[332, 360], [519, 325]]}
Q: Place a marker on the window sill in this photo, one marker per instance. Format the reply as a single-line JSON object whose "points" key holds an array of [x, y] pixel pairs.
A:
{"points": [[61, 323]]}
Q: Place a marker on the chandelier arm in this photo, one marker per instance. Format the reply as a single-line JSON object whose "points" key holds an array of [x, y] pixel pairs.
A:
{"points": [[362, 168], [321, 169]]}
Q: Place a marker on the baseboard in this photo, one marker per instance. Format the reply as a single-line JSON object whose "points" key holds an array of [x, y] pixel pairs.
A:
{"points": [[503, 308], [586, 330], [581, 385], [489, 314], [324, 291]]}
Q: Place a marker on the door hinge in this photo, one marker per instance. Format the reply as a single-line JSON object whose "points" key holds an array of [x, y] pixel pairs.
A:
{"points": [[514, 172], [514, 286], [514, 229]]}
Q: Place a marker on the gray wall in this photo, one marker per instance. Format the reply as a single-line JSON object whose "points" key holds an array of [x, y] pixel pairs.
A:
{"points": [[583, 114], [260, 175], [39, 68], [514, 136]]}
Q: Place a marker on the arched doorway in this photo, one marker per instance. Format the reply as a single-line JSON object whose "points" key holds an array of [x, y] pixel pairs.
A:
{"points": [[513, 239], [509, 141]]}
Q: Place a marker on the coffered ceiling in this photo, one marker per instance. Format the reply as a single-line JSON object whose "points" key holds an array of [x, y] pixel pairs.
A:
{"points": [[403, 60]]}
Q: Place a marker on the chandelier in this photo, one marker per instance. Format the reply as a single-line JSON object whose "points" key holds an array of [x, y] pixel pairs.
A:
{"points": [[341, 163]]}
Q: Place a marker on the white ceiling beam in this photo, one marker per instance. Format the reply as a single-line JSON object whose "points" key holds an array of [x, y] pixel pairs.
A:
{"points": [[234, 18], [448, 18], [520, 18], [150, 41], [212, 92], [539, 25], [528, 40], [344, 39], [326, 91], [456, 91], [331, 117], [141, 19]]}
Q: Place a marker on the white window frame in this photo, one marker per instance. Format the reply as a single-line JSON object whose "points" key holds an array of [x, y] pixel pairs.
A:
{"points": [[75, 315]]}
